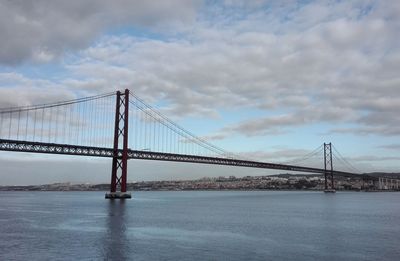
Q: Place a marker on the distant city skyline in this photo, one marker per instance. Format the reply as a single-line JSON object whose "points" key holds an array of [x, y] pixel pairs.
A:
{"points": [[268, 79]]}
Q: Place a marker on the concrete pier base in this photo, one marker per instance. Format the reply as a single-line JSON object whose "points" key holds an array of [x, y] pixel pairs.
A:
{"points": [[118, 195]]}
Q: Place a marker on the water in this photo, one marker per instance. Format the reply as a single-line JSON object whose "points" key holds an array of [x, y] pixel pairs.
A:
{"points": [[228, 225]]}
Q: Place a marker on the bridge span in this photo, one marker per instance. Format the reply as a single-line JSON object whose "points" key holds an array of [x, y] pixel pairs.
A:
{"points": [[99, 126]]}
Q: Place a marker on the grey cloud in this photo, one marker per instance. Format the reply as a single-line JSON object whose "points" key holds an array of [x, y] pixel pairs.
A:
{"points": [[213, 137], [17, 90], [278, 124], [369, 130], [374, 158], [278, 155], [380, 117], [390, 147], [270, 125], [43, 30]]}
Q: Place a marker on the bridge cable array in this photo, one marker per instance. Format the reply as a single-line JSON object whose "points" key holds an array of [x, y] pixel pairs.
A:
{"points": [[317, 152], [163, 135], [340, 159], [84, 121]]}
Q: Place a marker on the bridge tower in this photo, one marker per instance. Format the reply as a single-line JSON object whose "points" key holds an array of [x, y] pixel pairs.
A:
{"points": [[120, 160], [328, 167]]}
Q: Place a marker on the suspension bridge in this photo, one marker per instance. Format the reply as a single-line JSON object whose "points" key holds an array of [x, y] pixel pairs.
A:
{"points": [[121, 126]]}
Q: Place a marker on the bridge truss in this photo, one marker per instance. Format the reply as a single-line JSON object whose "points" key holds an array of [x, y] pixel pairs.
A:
{"points": [[66, 149]]}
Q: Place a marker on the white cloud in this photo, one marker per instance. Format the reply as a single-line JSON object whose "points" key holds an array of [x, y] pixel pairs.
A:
{"points": [[41, 30]]}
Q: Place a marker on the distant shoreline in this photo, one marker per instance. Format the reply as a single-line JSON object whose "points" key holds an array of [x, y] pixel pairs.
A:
{"points": [[10, 189], [200, 190], [279, 182]]}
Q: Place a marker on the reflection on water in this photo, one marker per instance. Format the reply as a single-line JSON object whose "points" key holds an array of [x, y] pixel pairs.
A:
{"points": [[329, 225], [116, 243]]}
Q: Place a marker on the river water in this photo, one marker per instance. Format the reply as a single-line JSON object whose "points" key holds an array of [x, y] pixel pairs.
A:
{"points": [[200, 225]]}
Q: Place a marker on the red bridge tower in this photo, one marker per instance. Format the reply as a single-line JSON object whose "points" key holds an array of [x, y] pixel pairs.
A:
{"points": [[120, 159]]}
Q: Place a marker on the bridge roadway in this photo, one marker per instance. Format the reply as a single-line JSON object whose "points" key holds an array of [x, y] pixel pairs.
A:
{"points": [[67, 149]]}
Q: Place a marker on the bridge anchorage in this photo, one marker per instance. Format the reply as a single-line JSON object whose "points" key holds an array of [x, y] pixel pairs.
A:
{"points": [[84, 126]]}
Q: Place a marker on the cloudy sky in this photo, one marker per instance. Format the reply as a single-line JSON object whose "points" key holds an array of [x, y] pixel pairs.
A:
{"points": [[268, 79]]}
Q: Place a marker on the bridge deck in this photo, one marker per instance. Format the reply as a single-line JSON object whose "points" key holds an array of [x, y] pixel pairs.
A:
{"points": [[67, 149]]}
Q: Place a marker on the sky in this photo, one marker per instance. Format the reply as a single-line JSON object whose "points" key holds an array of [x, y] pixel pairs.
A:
{"points": [[271, 80]]}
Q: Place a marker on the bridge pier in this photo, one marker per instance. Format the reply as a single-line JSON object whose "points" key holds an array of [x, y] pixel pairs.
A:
{"points": [[118, 195]]}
